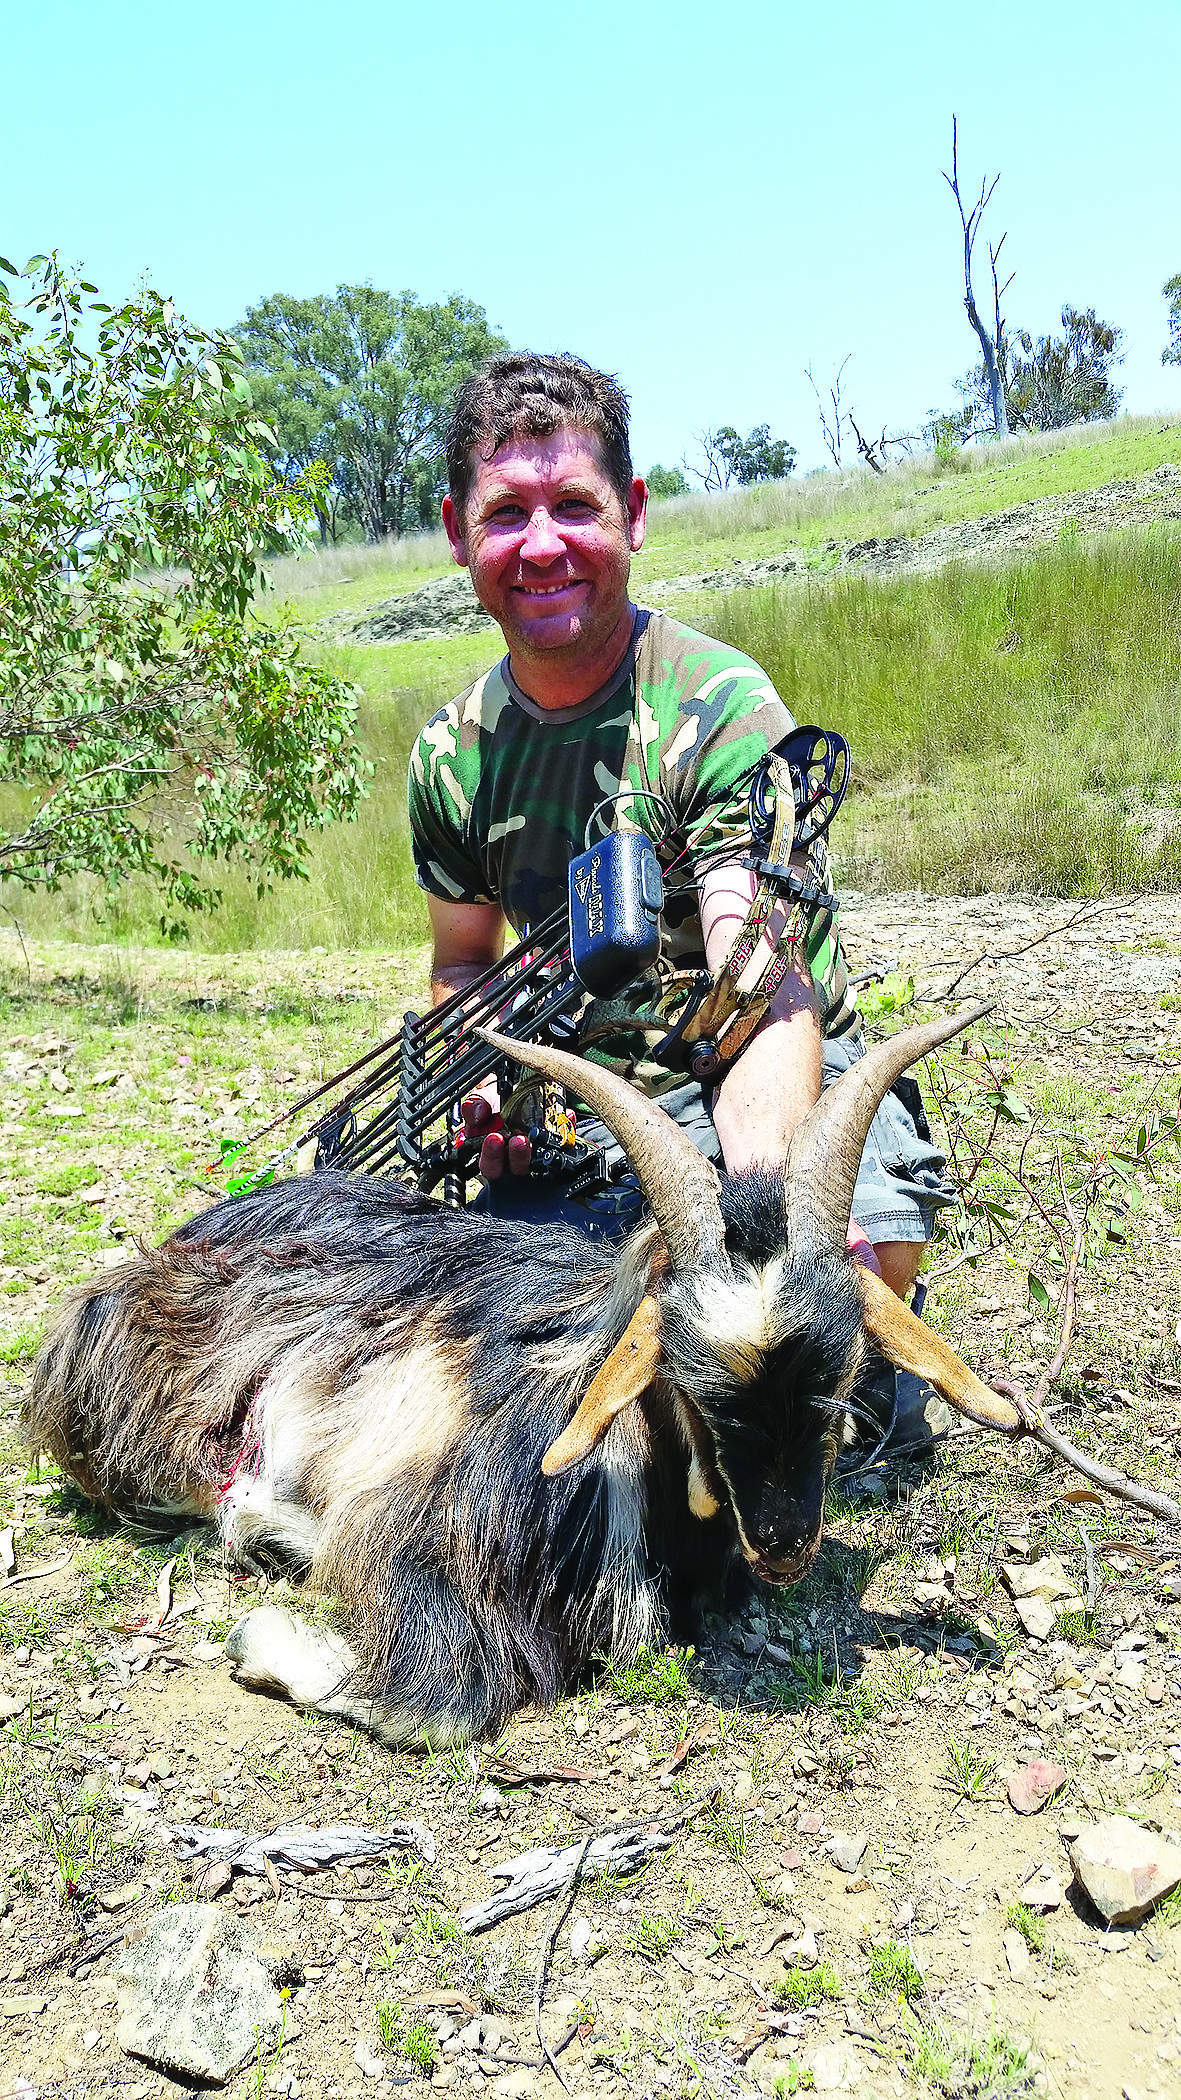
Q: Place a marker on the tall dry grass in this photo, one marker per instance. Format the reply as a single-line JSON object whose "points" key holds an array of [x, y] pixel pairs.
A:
{"points": [[1012, 727]]}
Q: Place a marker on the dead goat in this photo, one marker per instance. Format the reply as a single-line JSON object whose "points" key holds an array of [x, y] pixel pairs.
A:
{"points": [[505, 1450]]}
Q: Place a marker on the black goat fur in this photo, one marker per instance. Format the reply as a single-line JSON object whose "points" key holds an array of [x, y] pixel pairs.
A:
{"points": [[354, 1377]]}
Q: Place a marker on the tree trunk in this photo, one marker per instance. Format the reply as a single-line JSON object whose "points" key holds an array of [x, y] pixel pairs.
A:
{"points": [[996, 386]]}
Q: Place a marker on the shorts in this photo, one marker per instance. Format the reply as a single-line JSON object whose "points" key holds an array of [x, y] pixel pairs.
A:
{"points": [[900, 1181]]}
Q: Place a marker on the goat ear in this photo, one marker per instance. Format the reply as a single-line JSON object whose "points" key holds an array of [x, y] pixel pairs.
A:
{"points": [[630, 1367], [904, 1340]]}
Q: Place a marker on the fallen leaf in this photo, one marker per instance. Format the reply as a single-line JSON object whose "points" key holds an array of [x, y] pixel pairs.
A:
{"points": [[163, 1595], [211, 1879], [1082, 1494]]}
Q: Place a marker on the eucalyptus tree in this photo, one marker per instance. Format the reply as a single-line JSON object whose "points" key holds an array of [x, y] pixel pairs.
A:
{"points": [[153, 718], [360, 383]]}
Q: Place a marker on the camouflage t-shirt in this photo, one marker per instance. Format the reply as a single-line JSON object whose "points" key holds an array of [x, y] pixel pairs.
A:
{"points": [[502, 791]]}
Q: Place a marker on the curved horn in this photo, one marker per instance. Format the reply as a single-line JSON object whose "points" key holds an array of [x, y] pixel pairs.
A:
{"points": [[679, 1182], [825, 1151], [904, 1340]]}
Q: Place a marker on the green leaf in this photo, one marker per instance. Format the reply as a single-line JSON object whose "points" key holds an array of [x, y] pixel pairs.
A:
{"points": [[1038, 1292]]}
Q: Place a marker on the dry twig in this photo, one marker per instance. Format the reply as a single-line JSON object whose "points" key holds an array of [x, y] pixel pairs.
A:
{"points": [[560, 1914]]}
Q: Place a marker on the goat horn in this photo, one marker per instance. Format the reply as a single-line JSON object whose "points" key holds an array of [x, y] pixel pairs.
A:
{"points": [[679, 1182], [905, 1341], [825, 1151], [630, 1367]]}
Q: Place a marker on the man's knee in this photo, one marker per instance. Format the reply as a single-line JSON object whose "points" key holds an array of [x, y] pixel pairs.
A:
{"points": [[899, 1262]]}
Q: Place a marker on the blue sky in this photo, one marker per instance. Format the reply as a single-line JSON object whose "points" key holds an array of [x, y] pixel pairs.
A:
{"points": [[701, 198]]}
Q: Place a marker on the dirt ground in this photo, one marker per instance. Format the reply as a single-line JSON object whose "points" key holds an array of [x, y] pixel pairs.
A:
{"points": [[890, 1697]]}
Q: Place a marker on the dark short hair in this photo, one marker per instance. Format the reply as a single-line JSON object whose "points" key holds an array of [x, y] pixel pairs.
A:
{"points": [[526, 393]]}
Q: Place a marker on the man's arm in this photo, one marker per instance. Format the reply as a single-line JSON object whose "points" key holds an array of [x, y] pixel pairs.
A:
{"points": [[468, 939], [777, 1078], [775, 1081]]}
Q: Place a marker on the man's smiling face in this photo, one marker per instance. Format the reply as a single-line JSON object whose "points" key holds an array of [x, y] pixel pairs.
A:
{"points": [[549, 541]]}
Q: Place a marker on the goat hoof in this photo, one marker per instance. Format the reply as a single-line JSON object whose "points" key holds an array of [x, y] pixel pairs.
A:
{"points": [[276, 1651]]}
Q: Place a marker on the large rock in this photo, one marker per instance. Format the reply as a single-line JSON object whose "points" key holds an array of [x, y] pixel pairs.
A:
{"points": [[1123, 1868], [197, 1993]]}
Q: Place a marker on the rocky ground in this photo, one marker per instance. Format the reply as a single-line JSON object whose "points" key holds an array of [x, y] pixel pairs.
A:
{"points": [[448, 606], [843, 1894]]}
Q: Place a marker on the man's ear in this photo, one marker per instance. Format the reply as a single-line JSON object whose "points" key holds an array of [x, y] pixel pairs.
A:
{"points": [[456, 536], [636, 507]]}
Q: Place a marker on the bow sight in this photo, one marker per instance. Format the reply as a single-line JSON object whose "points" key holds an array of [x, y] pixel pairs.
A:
{"points": [[396, 1110]]}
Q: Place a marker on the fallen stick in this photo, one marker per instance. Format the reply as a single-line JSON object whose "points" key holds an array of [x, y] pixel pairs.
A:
{"points": [[534, 1877], [561, 1912], [298, 1845]]}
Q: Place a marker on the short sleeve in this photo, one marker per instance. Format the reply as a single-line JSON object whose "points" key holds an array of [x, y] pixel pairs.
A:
{"points": [[446, 863]]}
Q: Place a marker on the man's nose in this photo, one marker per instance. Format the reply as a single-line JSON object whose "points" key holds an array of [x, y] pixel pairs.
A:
{"points": [[542, 542]]}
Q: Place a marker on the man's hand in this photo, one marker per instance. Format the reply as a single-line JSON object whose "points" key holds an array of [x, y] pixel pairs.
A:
{"points": [[501, 1147]]}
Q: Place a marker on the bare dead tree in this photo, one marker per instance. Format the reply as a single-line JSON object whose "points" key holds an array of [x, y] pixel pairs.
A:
{"points": [[992, 347], [717, 474], [832, 432], [873, 450]]}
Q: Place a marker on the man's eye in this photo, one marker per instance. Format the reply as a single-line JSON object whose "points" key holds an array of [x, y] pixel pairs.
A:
{"points": [[574, 506]]}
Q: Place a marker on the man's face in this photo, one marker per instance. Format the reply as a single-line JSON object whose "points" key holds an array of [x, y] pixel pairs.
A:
{"points": [[549, 544]]}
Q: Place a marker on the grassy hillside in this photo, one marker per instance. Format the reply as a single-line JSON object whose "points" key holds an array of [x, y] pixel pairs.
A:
{"points": [[693, 533], [1014, 726]]}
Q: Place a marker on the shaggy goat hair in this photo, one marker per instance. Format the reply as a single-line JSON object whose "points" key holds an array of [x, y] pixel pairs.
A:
{"points": [[505, 1450]]}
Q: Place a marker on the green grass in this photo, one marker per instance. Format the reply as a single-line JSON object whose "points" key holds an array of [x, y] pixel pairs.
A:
{"points": [[990, 707], [656, 1677], [1028, 1924], [414, 2040], [653, 1937], [964, 1774], [698, 532], [799, 1988], [964, 2067], [893, 1973]]}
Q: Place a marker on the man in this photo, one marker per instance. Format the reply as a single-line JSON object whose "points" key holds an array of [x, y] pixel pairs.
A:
{"points": [[595, 705]]}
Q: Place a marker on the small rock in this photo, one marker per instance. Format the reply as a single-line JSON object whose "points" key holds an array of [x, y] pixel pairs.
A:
{"points": [[1068, 1677], [1030, 1788], [514, 2085], [196, 1996], [580, 1938], [91, 2039], [848, 1851], [1124, 1869], [1043, 1893], [1037, 1616], [11, 1704], [804, 1953], [811, 1824], [14, 2008], [490, 1800], [122, 1898], [367, 2060], [1038, 1578], [1154, 1690], [1016, 1954], [744, 1786], [836, 2068]]}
